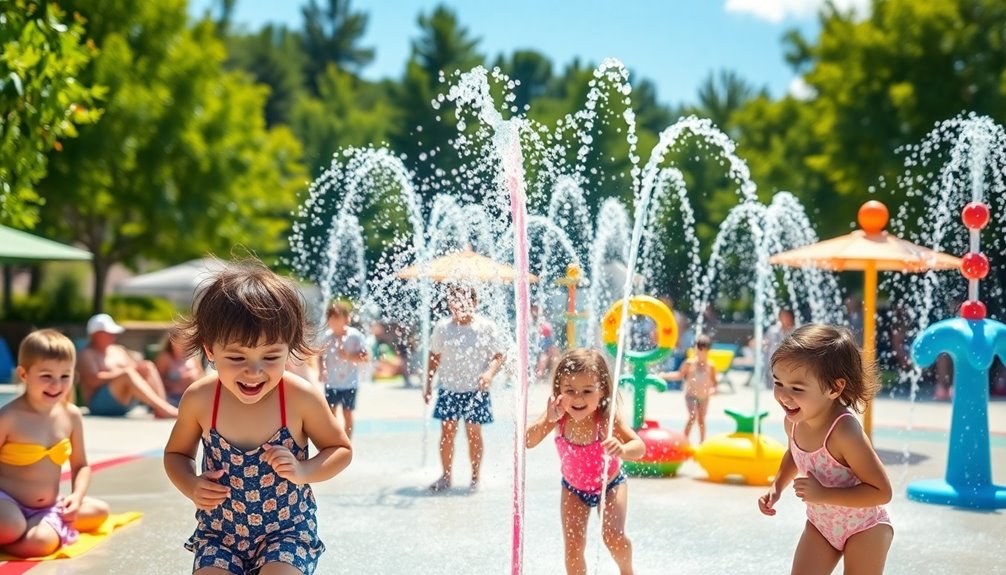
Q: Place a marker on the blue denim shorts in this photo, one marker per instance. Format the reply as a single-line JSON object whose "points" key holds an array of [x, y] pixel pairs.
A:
{"points": [[104, 403], [471, 406], [346, 397]]}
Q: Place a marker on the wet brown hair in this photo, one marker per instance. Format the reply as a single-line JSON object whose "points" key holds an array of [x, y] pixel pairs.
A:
{"points": [[338, 309], [585, 360], [830, 353], [246, 303], [703, 342], [44, 344], [462, 292]]}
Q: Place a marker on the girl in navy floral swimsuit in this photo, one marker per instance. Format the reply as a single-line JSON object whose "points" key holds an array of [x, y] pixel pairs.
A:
{"points": [[255, 509]]}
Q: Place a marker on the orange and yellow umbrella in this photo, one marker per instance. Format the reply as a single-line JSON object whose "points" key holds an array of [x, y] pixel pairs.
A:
{"points": [[462, 266], [869, 249]]}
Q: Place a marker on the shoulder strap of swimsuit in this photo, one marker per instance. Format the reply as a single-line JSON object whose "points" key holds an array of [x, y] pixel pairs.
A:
{"points": [[833, 424], [282, 404], [216, 403]]}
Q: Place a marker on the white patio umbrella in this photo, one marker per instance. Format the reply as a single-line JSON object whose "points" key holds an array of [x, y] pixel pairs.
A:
{"points": [[177, 283]]}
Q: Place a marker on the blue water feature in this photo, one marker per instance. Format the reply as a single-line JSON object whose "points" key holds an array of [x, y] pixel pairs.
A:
{"points": [[973, 345]]}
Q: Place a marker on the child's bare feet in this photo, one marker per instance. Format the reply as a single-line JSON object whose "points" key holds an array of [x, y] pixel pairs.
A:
{"points": [[474, 485], [166, 413], [442, 484]]}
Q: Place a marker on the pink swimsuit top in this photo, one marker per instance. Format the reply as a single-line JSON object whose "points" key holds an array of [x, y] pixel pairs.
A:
{"points": [[826, 468], [582, 463], [835, 522]]}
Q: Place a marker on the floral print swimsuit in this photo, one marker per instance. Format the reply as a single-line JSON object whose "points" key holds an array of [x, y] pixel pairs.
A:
{"points": [[267, 519], [835, 522]]}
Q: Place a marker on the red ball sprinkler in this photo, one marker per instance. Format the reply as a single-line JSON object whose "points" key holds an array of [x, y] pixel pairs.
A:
{"points": [[974, 264]]}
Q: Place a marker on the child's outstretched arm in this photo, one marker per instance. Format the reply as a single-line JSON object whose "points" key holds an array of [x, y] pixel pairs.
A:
{"points": [[681, 373], [334, 448], [80, 471], [624, 442], [540, 429], [848, 444], [787, 471], [180, 453], [783, 477]]}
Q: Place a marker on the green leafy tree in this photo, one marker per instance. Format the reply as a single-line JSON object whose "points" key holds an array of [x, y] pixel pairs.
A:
{"points": [[180, 163], [347, 112], [532, 72], [883, 82], [651, 116], [42, 98], [273, 56], [721, 96], [331, 36], [225, 19], [444, 46], [607, 167]]}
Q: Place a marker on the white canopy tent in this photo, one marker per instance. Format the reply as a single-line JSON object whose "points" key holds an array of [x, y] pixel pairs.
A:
{"points": [[178, 284]]}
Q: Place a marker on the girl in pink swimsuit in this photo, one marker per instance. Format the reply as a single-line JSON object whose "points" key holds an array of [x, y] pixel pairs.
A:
{"points": [[590, 462], [819, 375]]}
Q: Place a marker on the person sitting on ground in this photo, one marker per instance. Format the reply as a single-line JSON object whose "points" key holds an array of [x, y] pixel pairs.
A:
{"points": [[113, 379], [40, 431], [177, 370]]}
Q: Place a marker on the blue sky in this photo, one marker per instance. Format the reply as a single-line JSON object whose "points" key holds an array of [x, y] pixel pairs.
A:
{"points": [[674, 43]]}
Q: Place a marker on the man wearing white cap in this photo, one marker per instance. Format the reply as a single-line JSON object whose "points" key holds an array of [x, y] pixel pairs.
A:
{"points": [[113, 379]]}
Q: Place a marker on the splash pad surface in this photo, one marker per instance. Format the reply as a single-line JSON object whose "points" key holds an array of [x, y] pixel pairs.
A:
{"points": [[377, 517]]}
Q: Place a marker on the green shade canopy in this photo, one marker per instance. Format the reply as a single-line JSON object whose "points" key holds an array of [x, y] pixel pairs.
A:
{"points": [[20, 247]]}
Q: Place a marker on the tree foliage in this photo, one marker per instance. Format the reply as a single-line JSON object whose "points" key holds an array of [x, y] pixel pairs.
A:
{"points": [[882, 83], [332, 36], [443, 47], [181, 162], [206, 128], [42, 98]]}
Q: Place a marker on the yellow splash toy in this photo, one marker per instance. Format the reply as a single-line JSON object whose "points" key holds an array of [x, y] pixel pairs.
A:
{"points": [[754, 459]]}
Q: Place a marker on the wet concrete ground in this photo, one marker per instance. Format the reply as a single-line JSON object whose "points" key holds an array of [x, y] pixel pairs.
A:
{"points": [[377, 517]]}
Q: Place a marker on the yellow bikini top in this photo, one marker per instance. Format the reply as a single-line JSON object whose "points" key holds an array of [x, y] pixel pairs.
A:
{"points": [[21, 454]]}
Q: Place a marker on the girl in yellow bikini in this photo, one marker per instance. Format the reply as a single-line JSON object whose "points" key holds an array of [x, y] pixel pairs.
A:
{"points": [[39, 432]]}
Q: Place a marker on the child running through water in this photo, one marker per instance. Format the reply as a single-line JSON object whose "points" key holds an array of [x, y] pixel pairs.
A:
{"points": [[579, 409], [819, 376], [255, 509], [343, 352], [39, 432], [700, 382]]}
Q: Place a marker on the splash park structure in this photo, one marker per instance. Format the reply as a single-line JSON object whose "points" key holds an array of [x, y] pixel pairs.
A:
{"points": [[973, 341], [666, 450], [520, 197]]}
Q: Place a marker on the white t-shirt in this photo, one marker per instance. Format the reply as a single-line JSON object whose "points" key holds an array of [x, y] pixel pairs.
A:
{"points": [[465, 351], [341, 373]]}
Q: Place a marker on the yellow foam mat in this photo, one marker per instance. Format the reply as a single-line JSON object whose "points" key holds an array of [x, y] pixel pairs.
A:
{"points": [[86, 541]]}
